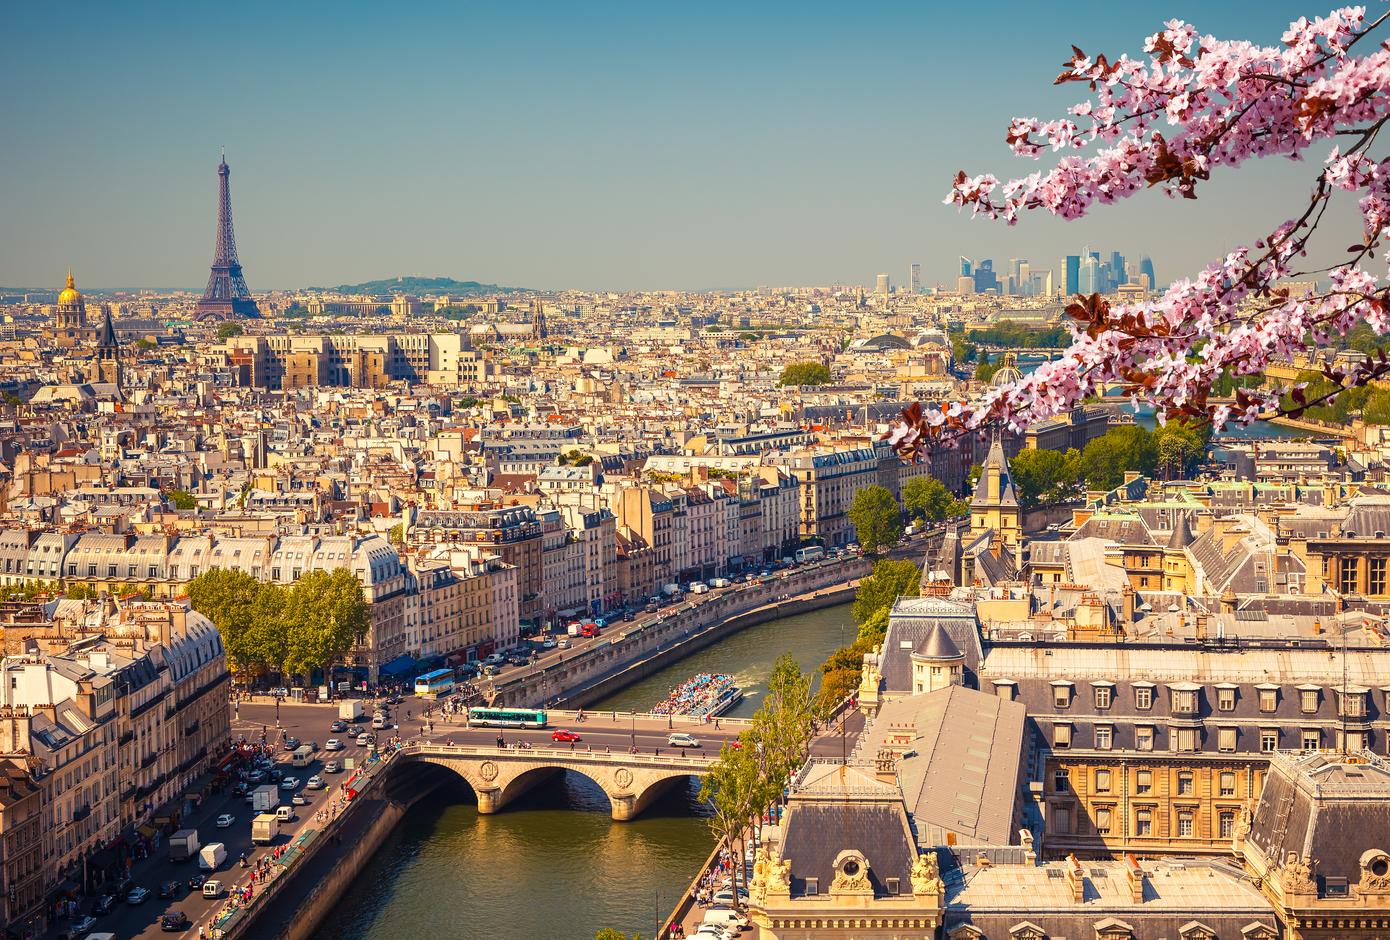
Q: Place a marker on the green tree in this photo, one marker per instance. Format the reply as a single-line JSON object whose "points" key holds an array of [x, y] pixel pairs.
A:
{"points": [[1046, 476], [396, 534], [183, 500], [1377, 408], [984, 370], [80, 592], [734, 789], [926, 499], [877, 518], [608, 933], [805, 373], [144, 344], [328, 615], [227, 330], [1180, 448], [1105, 460], [230, 599], [889, 581]]}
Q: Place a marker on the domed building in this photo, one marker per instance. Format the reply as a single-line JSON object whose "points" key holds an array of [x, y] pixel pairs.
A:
{"points": [[1008, 372], [70, 320]]}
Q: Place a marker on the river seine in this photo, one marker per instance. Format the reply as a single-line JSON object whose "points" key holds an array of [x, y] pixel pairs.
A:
{"points": [[553, 865]]}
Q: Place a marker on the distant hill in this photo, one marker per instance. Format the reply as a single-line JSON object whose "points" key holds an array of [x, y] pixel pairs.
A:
{"points": [[413, 284]]}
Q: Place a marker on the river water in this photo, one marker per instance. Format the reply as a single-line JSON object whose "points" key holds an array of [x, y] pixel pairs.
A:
{"points": [[553, 865]]}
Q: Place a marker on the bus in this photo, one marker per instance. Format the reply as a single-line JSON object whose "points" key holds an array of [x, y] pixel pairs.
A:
{"points": [[434, 684], [506, 717], [810, 553]]}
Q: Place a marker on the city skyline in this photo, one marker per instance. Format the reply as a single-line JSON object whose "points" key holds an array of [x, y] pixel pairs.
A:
{"points": [[551, 168]]}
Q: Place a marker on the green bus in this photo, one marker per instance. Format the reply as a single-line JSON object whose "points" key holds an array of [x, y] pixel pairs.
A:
{"points": [[506, 717]]}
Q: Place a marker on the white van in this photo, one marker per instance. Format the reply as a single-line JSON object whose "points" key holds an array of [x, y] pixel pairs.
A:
{"points": [[284, 813], [725, 917], [212, 889], [681, 739]]}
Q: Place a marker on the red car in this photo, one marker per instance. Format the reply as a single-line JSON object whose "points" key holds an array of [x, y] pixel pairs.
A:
{"points": [[563, 735]]}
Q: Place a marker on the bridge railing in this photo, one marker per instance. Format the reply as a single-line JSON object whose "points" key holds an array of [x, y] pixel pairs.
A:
{"points": [[568, 715], [445, 749]]}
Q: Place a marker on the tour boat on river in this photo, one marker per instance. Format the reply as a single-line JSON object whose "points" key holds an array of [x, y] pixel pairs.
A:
{"points": [[704, 695]]}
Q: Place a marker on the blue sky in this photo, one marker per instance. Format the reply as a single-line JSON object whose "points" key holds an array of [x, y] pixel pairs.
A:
{"points": [[550, 145]]}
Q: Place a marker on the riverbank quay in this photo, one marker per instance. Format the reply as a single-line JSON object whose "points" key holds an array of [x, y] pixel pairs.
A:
{"points": [[631, 652]]}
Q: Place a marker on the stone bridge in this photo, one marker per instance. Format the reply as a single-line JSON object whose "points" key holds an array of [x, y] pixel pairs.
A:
{"points": [[500, 775]]}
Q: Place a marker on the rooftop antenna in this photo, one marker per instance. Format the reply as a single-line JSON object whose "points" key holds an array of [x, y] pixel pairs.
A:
{"points": [[1342, 705]]}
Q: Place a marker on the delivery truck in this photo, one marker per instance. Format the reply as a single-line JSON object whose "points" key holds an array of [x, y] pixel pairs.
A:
{"points": [[264, 829], [211, 856], [265, 798], [183, 845], [350, 710]]}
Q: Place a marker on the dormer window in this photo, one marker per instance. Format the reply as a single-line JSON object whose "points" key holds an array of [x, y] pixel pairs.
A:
{"points": [[1061, 695], [1184, 698], [1308, 699]]}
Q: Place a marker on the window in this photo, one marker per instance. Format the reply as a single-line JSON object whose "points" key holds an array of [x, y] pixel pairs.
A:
{"points": [[1184, 739], [1375, 576], [1060, 781], [1143, 697], [1346, 581], [1226, 700], [892, 884], [1269, 740], [1102, 781], [1061, 819], [1185, 829], [1228, 783], [1103, 693], [1226, 740], [1061, 696], [1184, 700], [1143, 738], [1308, 700], [1269, 699], [1143, 781], [1103, 815], [1353, 705], [1185, 783], [1227, 822], [1105, 737], [1061, 736], [1143, 822], [1311, 739], [812, 886]]}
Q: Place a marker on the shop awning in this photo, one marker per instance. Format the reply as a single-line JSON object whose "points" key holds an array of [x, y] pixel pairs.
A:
{"points": [[398, 666]]}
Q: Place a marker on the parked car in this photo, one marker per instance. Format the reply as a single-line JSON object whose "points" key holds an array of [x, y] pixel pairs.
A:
{"points": [[225, 821], [338, 726], [333, 744], [681, 739], [175, 922], [331, 767], [83, 925], [137, 895], [104, 905], [562, 735]]}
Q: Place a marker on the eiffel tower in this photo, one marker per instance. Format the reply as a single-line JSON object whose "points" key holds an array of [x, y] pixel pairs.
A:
{"points": [[227, 295]]}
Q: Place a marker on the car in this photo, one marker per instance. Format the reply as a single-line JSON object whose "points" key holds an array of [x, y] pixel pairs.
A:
{"points": [[83, 925], [564, 643], [277, 773], [300, 799], [338, 726], [123, 886], [104, 905], [137, 895], [681, 739], [315, 782], [175, 922], [256, 776], [289, 783], [725, 898], [291, 743], [394, 700], [364, 739], [312, 745], [170, 889], [225, 821], [333, 744], [379, 723], [331, 767], [196, 882], [562, 735], [280, 692], [548, 643], [239, 789]]}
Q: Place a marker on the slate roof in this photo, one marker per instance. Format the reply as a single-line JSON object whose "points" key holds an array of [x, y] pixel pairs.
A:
{"points": [[909, 625], [964, 775], [833, 808]]}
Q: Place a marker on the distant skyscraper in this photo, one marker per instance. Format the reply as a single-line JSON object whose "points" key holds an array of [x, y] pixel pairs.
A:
{"points": [[1089, 280], [966, 267], [882, 287], [965, 285], [985, 278], [1071, 274], [227, 294], [914, 278], [1146, 266], [1117, 269]]}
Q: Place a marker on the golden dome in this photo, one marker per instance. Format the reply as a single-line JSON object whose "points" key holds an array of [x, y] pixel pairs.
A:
{"points": [[70, 294]]}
